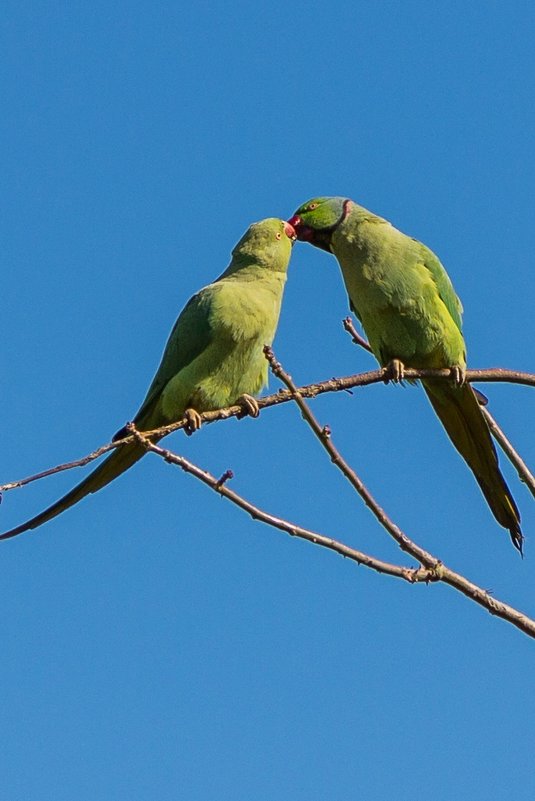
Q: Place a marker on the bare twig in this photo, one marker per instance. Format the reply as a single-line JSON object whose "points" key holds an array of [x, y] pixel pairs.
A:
{"points": [[349, 326], [440, 570], [412, 575], [524, 473], [516, 460], [432, 569], [323, 433], [65, 466], [283, 396]]}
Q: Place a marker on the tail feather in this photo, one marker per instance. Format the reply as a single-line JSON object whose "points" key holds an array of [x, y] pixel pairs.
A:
{"points": [[115, 464], [459, 412]]}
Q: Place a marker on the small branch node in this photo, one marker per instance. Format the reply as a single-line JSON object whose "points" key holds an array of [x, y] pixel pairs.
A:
{"points": [[276, 367], [131, 428], [435, 573], [349, 326], [425, 575], [413, 575], [227, 476]]}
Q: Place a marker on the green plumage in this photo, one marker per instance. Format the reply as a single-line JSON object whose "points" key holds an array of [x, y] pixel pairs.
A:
{"points": [[408, 308], [214, 352]]}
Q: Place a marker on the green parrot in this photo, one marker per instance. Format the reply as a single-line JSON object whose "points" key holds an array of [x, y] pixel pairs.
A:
{"points": [[214, 355], [408, 308]]}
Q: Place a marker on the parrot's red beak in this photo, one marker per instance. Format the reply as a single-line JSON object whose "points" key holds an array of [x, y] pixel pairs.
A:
{"points": [[289, 230], [301, 231]]}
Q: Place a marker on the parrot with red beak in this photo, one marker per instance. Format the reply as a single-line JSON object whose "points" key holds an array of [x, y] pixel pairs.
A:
{"points": [[411, 314]]}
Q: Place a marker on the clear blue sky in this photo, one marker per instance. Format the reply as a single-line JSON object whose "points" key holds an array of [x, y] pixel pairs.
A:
{"points": [[156, 643]]}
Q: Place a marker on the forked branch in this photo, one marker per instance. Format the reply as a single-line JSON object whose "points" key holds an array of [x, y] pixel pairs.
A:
{"points": [[431, 569], [220, 485], [440, 570], [514, 457], [283, 396]]}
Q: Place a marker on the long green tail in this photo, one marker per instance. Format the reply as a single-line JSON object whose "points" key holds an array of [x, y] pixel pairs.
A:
{"points": [[115, 464], [459, 412]]}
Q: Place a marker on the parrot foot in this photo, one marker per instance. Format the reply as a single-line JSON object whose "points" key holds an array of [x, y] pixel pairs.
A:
{"points": [[192, 421], [394, 371], [458, 375], [249, 406]]}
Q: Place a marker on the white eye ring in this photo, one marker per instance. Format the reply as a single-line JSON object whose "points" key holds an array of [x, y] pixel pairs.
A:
{"points": [[278, 236]]}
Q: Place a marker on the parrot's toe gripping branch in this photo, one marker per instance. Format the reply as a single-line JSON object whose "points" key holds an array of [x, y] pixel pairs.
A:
{"points": [[394, 371], [192, 421], [458, 375], [249, 406]]}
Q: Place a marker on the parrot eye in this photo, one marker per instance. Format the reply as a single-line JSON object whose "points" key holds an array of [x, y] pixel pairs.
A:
{"points": [[312, 206], [278, 236]]}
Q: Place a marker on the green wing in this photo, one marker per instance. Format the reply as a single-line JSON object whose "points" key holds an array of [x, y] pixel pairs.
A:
{"points": [[203, 322], [444, 286], [442, 282], [192, 333]]}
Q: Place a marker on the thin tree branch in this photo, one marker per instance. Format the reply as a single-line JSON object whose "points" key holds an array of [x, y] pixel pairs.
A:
{"points": [[283, 396], [433, 570], [349, 326], [516, 460], [412, 575], [514, 457], [323, 433], [65, 466], [440, 570]]}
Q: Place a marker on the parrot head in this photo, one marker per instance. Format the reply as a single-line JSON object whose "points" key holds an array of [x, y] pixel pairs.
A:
{"points": [[268, 242], [316, 220]]}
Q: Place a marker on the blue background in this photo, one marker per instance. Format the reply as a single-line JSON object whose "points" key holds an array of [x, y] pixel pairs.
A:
{"points": [[156, 642]]}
